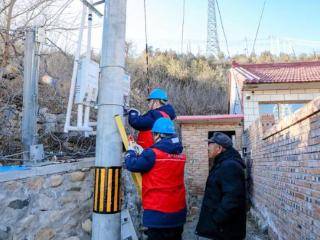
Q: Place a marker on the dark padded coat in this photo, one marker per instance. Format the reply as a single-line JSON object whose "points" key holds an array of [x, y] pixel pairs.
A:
{"points": [[223, 211], [145, 122]]}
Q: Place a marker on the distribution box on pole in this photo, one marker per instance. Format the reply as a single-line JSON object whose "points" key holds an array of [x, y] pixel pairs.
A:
{"points": [[87, 82]]}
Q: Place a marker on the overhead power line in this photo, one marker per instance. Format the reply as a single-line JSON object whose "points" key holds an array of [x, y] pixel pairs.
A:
{"points": [[224, 33], [146, 39], [255, 38], [182, 27]]}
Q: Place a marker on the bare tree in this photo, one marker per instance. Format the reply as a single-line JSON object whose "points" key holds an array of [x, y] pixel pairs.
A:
{"points": [[8, 20], [17, 15]]}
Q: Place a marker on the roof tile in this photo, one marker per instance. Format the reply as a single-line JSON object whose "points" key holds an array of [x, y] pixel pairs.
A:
{"points": [[280, 72]]}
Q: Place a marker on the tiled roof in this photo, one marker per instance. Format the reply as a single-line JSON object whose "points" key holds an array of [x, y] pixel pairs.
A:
{"points": [[226, 118], [280, 72]]}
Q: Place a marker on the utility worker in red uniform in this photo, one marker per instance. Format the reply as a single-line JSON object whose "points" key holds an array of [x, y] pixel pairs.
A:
{"points": [[158, 108], [163, 190]]}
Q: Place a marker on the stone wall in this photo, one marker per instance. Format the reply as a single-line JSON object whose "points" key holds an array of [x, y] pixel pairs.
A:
{"points": [[47, 202], [284, 162]]}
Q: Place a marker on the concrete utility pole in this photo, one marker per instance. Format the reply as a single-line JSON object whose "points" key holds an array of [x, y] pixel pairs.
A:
{"points": [[107, 203], [30, 92]]}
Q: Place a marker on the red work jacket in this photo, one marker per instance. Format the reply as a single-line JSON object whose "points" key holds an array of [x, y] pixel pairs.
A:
{"points": [[145, 138], [163, 186]]}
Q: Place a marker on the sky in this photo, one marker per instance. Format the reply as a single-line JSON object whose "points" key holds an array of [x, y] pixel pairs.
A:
{"points": [[287, 25]]}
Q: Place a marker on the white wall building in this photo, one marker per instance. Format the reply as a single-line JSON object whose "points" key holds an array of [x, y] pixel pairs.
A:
{"points": [[278, 88]]}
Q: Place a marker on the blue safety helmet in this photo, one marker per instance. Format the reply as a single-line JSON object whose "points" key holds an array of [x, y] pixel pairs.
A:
{"points": [[158, 94], [163, 126]]}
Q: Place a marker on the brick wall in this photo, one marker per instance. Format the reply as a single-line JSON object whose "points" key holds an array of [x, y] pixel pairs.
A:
{"points": [[285, 171], [196, 148]]}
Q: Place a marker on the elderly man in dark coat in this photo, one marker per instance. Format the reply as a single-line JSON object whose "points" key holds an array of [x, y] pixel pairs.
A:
{"points": [[223, 211]]}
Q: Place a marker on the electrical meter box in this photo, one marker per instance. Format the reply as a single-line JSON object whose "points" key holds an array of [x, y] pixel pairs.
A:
{"points": [[87, 82]]}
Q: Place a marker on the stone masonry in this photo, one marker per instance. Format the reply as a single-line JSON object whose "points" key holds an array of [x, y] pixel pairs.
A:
{"points": [[48, 202], [284, 162], [54, 201]]}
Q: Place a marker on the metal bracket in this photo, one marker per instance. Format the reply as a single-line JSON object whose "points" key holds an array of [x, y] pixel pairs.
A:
{"points": [[40, 35], [36, 153], [127, 229], [98, 3], [91, 7]]}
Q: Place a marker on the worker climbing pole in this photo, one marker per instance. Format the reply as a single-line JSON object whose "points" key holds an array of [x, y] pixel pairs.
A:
{"points": [[107, 204]]}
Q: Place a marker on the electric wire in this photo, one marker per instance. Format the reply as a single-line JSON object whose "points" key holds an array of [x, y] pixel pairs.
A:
{"points": [[182, 27], [147, 48], [255, 38], [224, 33]]}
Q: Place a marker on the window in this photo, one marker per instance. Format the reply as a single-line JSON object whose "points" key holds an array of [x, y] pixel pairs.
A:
{"points": [[279, 110]]}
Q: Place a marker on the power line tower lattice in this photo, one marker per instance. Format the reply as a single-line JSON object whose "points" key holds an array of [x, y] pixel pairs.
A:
{"points": [[213, 48]]}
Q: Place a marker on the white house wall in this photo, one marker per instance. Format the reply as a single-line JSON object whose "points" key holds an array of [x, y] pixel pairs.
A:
{"points": [[253, 98]]}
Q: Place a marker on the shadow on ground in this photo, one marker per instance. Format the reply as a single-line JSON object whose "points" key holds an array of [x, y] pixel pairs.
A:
{"points": [[253, 233]]}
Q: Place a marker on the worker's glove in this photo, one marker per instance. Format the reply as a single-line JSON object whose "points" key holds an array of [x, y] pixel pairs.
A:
{"points": [[134, 112], [136, 148], [132, 148]]}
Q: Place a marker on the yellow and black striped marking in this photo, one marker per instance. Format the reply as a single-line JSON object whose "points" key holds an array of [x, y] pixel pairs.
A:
{"points": [[107, 190]]}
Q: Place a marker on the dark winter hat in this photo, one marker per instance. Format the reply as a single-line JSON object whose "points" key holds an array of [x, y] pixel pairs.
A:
{"points": [[221, 139]]}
